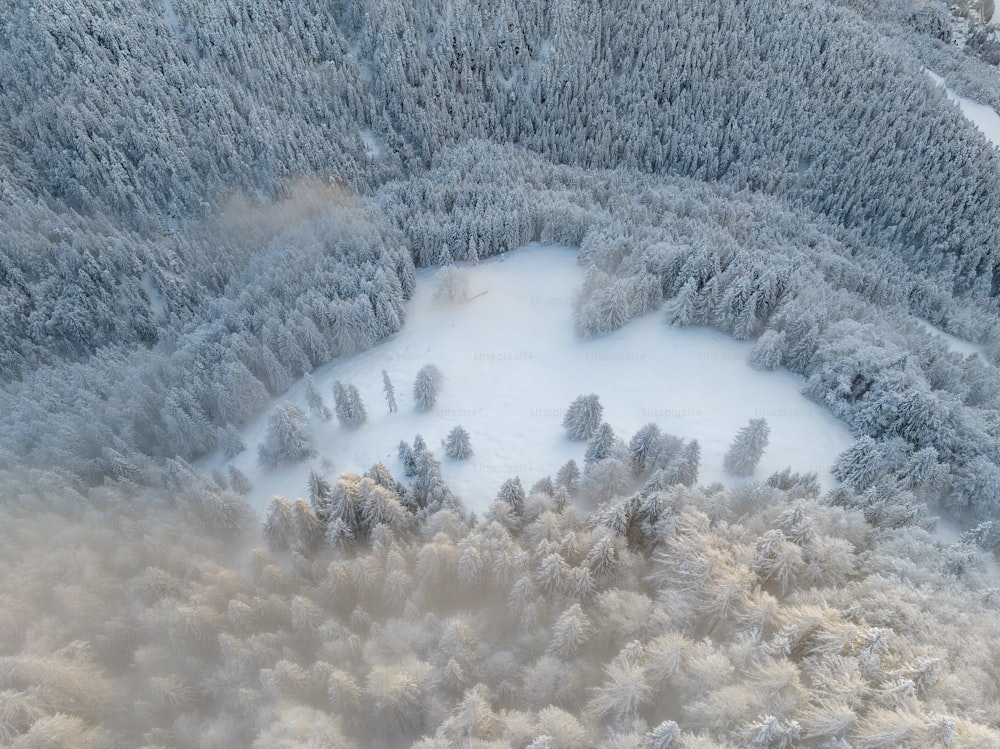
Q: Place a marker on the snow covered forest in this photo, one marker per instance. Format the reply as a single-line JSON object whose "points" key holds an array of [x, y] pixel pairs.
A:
{"points": [[206, 203]]}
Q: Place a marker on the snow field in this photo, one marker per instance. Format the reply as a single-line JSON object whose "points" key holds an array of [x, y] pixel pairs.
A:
{"points": [[513, 363]]}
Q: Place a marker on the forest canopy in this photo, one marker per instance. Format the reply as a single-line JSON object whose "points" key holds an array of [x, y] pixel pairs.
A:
{"points": [[202, 202]]}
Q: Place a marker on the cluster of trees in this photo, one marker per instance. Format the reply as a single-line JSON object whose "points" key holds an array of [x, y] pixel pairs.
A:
{"points": [[672, 616]]}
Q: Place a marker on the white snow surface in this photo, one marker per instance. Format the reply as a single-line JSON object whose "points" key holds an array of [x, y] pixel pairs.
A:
{"points": [[373, 148], [983, 117], [958, 345], [513, 363], [170, 16]]}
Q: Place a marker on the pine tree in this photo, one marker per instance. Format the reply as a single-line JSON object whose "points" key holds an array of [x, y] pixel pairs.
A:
{"points": [[288, 436], [320, 491], [390, 391], [512, 493], [239, 481], [747, 448], [583, 417], [859, 465], [426, 386], [643, 447], [231, 442], [407, 458], [600, 444], [348, 405], [683, 308], [315, 401], [684, 469], [568, 477], [279, 527], [767, 352], [457, 445]]}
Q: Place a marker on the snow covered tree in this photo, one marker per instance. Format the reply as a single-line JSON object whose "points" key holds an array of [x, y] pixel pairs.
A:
{"points": [[600, 444], [512, 493], [320, 491], [685, 307], [684, 468], [859, 465], [407, 458], [747, 447], [583, 417], [457, 445], [348, 405], [767, 351], [315, 400], [643, 448], [279, 526], [426, 387], [231, 442], [288, 436], [568, 477], [239, 481], [389, 391]]}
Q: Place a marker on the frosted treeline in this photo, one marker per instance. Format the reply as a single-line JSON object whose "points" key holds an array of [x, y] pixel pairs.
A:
{"points": [[203, 201], [675, 617]]}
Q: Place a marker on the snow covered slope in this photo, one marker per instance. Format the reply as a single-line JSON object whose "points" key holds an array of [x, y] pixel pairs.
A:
{"points": [[513, 363]]}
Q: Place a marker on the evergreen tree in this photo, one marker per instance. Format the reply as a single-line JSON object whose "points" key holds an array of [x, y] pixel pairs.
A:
{"points": [[859, 465], [583, 417], [320, 491], [568, 477], [426, 387], [288, 436], [683, 308], [407, 458], [389, 391], [767, 352], [239, 481], [279, 527], [512, 493], [348, 405], [643, 448], [457, 445], [315, 400], [231, 442], [600, 445], [684, 469], [747, 448]]}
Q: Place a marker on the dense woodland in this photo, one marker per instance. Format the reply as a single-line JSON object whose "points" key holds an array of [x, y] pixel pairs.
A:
{"points": [[201, 201]]}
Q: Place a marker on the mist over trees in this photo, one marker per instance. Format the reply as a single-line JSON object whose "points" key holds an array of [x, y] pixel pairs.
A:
{"points": [[204, 202]]}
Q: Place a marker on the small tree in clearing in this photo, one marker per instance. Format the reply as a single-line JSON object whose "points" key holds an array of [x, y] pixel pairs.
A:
{"points": [[426, 386], [389, 390], [457, 445], [348, 405], [288, 436], [315, 400], [583, 417], [746, 449]]}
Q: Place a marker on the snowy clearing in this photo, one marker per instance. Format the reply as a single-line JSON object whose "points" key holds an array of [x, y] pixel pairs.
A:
{"points": [[983, 117], [954, 343], [513, 364]]}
